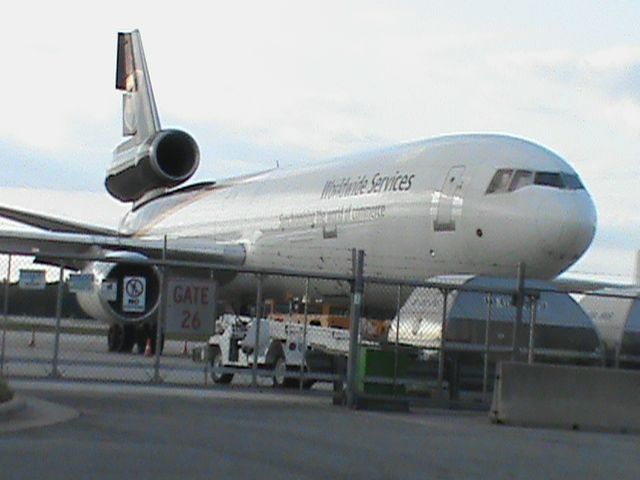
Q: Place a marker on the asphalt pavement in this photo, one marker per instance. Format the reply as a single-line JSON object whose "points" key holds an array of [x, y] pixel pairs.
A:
{"points": [[121, 431]]}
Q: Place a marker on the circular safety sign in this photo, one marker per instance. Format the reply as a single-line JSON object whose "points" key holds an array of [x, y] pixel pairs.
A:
{"points": [[134, 287], [133, 295]]}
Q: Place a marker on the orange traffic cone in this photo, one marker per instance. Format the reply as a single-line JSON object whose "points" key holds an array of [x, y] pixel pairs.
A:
{"points": [[185, 350], [147, 349], [32, 342]]}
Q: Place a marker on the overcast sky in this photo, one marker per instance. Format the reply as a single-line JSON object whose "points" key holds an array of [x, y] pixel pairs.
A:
{"points": [[297, 82]]}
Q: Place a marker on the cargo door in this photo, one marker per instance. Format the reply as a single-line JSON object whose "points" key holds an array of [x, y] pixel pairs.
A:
{"points": [[449, 200]]}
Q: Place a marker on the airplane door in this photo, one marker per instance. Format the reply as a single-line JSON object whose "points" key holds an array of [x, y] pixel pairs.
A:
{"points": [[449, 200]]}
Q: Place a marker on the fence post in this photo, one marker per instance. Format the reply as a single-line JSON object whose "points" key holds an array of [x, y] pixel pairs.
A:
{"points": [[485, 370], [6, 314], [161, 316], [532, 327], [445, 294], [356, 309], [256, 344], [214, 284], [517, 325], [55, 373], [304, 332], [395, 356]]}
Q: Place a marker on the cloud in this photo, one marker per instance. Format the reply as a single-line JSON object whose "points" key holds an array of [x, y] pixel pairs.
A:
{"points": [[608, 79], [25, 166], [614, 58], [95, 208]]}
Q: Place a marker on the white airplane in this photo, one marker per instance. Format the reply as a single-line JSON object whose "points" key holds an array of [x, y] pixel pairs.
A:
{"points": [[463, 204], [614, 312]]}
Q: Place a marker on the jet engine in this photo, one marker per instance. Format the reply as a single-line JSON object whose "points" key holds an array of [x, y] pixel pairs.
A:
{"points": [[166, 159], [123, 293]]}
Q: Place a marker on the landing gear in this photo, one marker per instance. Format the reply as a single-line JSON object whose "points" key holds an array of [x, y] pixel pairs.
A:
{"points": [[152, 336], [142, 333], [121, 338], [115, 337]]}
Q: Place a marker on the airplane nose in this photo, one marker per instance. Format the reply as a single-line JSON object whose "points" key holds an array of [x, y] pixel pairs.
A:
{"points": [[566, 225], [580, 225]]}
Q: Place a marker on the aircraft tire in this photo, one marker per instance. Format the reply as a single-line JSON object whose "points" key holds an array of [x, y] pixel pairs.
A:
{"points": [[129, 338], [142, 333], [141, 345], [152, 335], [115, 338]]}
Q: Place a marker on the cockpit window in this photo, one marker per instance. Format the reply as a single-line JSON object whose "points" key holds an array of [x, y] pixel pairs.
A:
{"points": [[500, 181], [506, 179], [549, 179], [572, 181], [521, 178]]}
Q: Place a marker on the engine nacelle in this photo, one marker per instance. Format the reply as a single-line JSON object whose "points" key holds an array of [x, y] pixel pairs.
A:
{"points": [[166, 159], [116, 286]]}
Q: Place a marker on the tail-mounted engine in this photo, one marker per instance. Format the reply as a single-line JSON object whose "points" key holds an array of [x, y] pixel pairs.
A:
{"points": [[165, 160]]}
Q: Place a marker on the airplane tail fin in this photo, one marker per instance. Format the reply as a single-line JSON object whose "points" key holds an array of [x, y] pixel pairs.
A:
{"points": [[152, 160], [139, 113]]}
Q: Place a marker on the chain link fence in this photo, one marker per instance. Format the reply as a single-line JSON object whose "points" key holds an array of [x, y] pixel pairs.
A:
{"points": [[415, 340]]}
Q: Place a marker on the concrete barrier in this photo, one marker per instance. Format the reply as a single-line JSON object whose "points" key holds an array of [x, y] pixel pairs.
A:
{"points": [[11, 408], [588, 398]]}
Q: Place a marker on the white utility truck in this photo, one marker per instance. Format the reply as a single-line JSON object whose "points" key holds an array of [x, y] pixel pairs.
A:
{"points": [[282, 346]]}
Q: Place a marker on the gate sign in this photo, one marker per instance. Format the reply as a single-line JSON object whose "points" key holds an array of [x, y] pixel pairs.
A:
{"points": [[190, 306], [134, 294], [80, 282], [32, 279]]}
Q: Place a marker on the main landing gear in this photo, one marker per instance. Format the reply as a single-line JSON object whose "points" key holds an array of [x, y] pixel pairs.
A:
{"points": [[122, 337]]}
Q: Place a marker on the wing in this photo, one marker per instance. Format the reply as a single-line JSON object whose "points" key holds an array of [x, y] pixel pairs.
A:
{"points": [[51, 223], [51, 245], [566, 284], [67, 239], [578, 285]]}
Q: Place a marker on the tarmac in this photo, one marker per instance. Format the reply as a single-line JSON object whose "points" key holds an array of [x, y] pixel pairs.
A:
{"points": [[90, 430]]}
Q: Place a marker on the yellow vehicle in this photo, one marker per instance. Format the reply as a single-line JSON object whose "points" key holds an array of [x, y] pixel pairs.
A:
{"points": [[321, 314], [318, 314]]}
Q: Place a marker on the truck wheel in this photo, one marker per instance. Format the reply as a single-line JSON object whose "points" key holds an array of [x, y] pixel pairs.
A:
{"points": [[280, 380], [279, 372], [216, 362]]}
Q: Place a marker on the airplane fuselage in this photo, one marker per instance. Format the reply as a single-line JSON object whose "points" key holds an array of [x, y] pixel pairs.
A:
{"points": [[418, 210]]}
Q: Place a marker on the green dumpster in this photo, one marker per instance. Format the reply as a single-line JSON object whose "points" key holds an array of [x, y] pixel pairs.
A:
{"points": [[381, 363]]}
